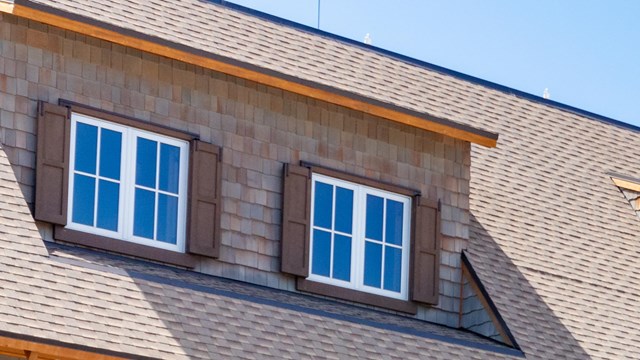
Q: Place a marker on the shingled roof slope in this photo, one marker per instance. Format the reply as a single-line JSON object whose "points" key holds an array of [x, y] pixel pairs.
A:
{"points": [[553, 239], [276, 48], [119, 306]]}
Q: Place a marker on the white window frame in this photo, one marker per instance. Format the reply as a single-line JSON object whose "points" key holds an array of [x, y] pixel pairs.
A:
{"points": [[358, 238], [127, 184]]}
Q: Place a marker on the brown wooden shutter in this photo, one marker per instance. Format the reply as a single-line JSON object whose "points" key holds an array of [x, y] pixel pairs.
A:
{"points": [[204, 199], [296, 210], [426, 252], [52, 163]]}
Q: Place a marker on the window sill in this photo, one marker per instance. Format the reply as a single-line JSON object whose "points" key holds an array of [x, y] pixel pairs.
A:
{"points": [[356, 296], [124, 247]]}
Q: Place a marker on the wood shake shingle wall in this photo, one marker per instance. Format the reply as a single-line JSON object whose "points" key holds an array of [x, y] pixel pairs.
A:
{"points": [[95, 303], [123, 307], [259, 129], [551, 238], [260, 46]]}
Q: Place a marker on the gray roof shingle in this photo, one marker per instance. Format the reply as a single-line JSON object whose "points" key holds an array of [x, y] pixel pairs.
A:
{"points": [[240, 38], [85, 298], [553, 240]]}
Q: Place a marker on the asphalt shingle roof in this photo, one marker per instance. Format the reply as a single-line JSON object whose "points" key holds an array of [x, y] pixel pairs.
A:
{"points": [[85, 298], [242, 38], [554, 241]]}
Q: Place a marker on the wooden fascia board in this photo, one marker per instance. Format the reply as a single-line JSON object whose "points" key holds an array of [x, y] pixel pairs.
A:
{"points": [[6, 7], [626, 184], [262, 76], [36, 350]]}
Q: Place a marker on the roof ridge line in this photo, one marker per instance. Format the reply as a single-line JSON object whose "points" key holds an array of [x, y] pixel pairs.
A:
{"points": [[314, 88], [425, 64]]}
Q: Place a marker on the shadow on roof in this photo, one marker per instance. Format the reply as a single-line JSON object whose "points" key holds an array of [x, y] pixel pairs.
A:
{"points": [[204, 316], [531, 321]]}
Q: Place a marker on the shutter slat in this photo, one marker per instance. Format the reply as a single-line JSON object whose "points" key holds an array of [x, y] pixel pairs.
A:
{"points": [[52, 163], [204, 200], [296, 210], [426, 252]]}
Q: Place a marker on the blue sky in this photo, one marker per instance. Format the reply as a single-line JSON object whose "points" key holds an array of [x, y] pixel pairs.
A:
{"points": [[586, 52]]}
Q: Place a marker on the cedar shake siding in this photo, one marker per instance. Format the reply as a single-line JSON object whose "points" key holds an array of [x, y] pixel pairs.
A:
{"points": [[259, 129], [473, 314], [550, 242], [67, 302]]}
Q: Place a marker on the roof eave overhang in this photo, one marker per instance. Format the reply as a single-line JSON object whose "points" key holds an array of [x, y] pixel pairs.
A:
{"points": [[625, 182], [134, 39], [31, 347]]}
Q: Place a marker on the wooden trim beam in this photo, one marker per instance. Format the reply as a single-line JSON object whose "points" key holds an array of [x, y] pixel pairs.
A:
{"points": [[32, 350], [269, 78], [6, 7], [626, 184]]}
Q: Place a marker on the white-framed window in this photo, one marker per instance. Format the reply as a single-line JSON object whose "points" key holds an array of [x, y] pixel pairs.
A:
{"points": [[127, 183], [359, 237]]}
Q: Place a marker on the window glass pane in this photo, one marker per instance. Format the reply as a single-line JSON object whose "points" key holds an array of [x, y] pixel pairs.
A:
{"points": [[146, 163], [373, 226], [344, 210], [86, 148], [342, 257], [83, 199], [393, 231], [321, 252], [110, 148], [323, 205], [167, 218], [143, 213], [372, 264], [108, 193], [169, 168], [392, 268]]}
